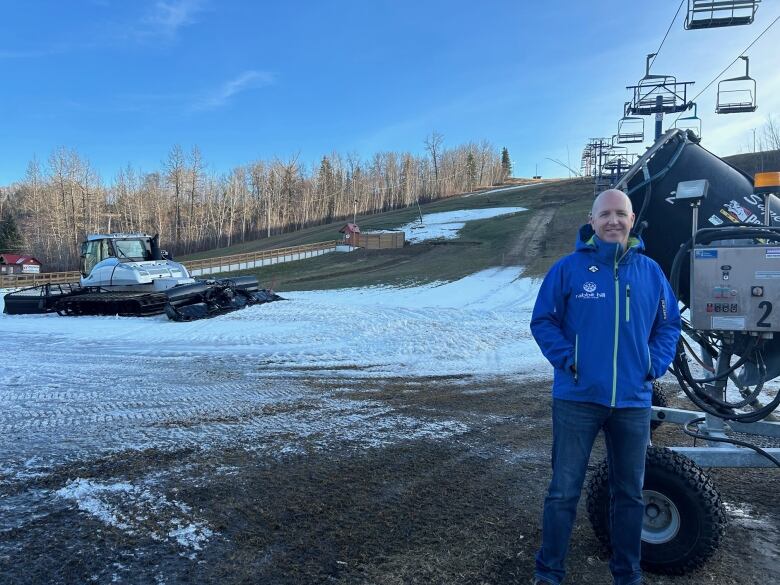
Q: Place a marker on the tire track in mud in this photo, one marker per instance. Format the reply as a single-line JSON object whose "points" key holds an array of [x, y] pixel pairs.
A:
{"points": [[528, 243], [171, 402], [136, 402]]}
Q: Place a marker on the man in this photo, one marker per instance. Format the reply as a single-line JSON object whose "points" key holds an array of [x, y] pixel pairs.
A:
{"points": [[608, 322]]}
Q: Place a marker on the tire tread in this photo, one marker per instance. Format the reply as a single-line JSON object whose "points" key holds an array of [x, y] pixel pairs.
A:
{"points": [[694, 478]]}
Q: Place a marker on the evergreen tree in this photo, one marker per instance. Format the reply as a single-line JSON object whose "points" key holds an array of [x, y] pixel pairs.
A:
{"points": [[326, 184], [10, 237], [506, 164], [471, 170]]}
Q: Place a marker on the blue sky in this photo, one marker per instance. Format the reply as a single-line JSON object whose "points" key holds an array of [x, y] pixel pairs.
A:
{"points": [[121, 82]]}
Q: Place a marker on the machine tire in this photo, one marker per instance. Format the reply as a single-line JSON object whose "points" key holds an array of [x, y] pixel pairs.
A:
{"points": [[690, 519], [659, 399]]}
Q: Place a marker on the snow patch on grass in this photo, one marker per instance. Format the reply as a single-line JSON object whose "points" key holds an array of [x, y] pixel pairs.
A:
{"points": [[446, 224], [138, 511]]}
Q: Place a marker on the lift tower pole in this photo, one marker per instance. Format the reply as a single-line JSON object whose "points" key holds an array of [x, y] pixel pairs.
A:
{"points": [[659, 116]]}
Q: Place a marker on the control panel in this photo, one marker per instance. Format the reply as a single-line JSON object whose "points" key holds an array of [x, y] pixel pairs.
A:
{"points": [[736, 288]]}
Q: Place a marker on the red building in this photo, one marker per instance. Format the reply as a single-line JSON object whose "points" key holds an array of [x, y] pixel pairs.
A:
{"points": [[19, 264], [351, 235]]}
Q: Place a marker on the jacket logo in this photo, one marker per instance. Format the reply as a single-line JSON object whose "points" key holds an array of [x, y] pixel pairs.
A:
{"points": [[590, 292], [593, 268]]}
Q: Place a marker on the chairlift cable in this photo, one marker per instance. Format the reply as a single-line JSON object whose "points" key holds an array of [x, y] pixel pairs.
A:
{"points": [[671, 24], [740, 54], [579, 174]]}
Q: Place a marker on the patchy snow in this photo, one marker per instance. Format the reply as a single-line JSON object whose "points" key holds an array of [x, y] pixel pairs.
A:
{"points": [[282, 378], [744, 515], [476, 325], [91, 498], [447, 224], [137, 510], [75, 387]]}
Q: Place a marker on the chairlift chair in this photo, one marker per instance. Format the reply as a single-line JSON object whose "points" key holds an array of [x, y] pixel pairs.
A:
{"points": [[619, 161], [712, 14], [615, 150], [631, 129], [692, 123], [658, 94], [617, 166], [739, 97]]}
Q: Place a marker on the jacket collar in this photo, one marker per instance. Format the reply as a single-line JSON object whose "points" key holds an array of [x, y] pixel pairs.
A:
{"points": [[588, 241]]}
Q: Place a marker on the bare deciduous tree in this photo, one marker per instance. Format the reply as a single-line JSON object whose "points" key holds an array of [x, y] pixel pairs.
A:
{"points": [[56, 204], [433, 144]]}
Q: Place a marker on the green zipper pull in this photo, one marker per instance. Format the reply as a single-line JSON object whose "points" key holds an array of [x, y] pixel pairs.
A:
{"points": [[628, 302]]}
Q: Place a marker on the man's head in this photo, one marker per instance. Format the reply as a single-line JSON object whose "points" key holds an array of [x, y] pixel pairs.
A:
{"points": [[612, 216]]}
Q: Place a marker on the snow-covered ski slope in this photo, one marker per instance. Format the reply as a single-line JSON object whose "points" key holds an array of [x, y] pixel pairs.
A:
{"points": [[74, 387], [476, 325]]}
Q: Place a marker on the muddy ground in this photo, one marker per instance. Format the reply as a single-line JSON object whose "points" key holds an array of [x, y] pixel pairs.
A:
{"points": [[463, 509]]}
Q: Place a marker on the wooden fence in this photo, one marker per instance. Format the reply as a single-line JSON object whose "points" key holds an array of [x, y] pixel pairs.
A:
{"points": [[194, 267], [257, 259], [381, 240]]}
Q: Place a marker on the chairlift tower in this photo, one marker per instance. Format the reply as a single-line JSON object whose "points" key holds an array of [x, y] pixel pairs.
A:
{"points": [[586, 163], [739, 95], [659, 95], [719, 13], [597, 150], [618, 160]]}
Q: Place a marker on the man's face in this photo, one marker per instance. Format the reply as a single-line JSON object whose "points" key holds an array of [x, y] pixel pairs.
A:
{"points": [[612, 217]]}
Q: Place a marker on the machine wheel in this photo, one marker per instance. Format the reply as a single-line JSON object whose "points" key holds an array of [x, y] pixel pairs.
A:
{"points": [[684, 516], [659, 399]]}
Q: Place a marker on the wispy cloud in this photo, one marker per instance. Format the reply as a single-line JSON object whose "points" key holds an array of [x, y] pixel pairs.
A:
{"points": [[221, 96], [167, 18]]}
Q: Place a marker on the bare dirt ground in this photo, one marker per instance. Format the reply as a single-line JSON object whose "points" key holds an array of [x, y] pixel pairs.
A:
{"points": [[436, 508], [527, 244]]}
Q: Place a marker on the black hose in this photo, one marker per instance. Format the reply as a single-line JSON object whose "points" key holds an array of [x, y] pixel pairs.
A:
{"points": [[660, 174], [712, 405], [646, 200], [698, 435]]}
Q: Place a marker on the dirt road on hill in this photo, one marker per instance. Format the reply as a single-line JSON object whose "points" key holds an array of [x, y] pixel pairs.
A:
{"points": [[528, 242], [378, 481]]}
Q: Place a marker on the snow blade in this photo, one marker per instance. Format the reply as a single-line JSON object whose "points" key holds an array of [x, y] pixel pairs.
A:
{"points": [[211, 298]]}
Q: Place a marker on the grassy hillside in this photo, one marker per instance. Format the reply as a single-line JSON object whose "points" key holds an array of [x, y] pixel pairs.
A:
{"points": [[534, 238]]}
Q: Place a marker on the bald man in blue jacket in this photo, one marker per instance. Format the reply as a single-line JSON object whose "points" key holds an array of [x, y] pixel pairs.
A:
{"points": [[608, 322]]}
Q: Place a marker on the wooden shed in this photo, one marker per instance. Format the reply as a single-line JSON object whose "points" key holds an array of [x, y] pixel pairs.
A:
{"points": [[351, 235], [19, 264]]}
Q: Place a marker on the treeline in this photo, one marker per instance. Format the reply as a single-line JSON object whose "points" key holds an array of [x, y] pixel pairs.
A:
{"points": [[192, 209]]}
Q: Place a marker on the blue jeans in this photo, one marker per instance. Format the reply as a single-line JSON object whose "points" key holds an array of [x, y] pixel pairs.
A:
{"points": [[627, 434]]}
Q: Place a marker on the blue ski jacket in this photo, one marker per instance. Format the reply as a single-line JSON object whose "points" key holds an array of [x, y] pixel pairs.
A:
{"points": [[607, 321]]}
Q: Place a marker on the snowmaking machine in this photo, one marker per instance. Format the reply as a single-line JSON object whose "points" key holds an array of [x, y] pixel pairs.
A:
{"points": [[129, 275], [716, 234]]}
